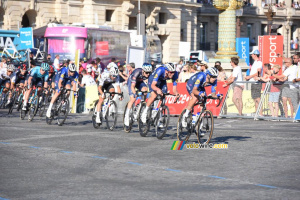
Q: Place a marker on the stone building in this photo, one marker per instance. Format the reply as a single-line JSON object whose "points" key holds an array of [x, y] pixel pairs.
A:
{"points": [[193, 21]]}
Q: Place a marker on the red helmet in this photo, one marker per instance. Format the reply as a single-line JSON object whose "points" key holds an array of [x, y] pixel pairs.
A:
{"points": [[51, 69]]}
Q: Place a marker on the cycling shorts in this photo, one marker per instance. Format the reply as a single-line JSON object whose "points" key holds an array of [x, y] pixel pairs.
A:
{"points": [[138, 86]]}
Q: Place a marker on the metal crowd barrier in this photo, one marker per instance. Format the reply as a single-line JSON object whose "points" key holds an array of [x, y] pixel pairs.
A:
{"points": [[274, 101]]}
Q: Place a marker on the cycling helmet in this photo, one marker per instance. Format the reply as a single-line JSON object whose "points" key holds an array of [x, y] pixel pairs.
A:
{"points": [[111, 65], [114, 71], [147, 67], [51, 69], [212, 71], [45, 66], [10, 67], [170, 67], [72, 67]]}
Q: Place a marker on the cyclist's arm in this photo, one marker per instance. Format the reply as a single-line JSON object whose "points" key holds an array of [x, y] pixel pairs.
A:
{"points": [[29, 81], [100, 90], [153, 86], [46, 84], [197, 93], [60, 83], [13, 80], [119, 89]]}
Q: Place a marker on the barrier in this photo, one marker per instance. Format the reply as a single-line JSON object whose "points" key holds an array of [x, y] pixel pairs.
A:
{"points": [[264, 93]]}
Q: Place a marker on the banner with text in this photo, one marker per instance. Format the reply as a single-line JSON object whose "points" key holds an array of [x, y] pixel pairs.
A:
{"points": [[242, 48]]}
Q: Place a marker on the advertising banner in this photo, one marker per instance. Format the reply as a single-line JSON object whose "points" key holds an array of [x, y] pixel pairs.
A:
{"points": [[176, 109], [272, 46], [242, 48], [26, 38], [102, 48]]}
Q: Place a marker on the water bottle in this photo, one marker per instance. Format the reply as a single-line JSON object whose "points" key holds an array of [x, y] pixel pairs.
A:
{"points": [[194, 118]]}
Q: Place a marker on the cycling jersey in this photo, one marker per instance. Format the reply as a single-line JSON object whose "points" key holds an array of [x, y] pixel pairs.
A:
{"points": [[4, 76], [105, 79], [159, 76], [198, 80], [63, 75], [35, 73], [20, 78], [136, 77]]}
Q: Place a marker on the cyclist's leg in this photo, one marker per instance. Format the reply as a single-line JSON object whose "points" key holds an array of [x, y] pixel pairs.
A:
{"points": [[56, 94], [27, 93], [101, 98], [129, 104]]}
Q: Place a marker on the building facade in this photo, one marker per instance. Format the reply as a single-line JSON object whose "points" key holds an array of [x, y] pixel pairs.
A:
{"points": [[193, 21]]}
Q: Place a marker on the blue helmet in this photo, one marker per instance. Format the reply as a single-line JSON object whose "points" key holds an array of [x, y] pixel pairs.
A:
{"points": [[45, 66], [212, 71], [147, 67]]}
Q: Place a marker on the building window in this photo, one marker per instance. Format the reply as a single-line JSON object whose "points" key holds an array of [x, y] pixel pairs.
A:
{"points": [[249, 30], [108, 15], [132, 23], [162, 18], [204, 45]]}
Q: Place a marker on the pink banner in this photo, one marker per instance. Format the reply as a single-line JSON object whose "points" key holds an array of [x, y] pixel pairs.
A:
{"points": [[66, 31], [65, 46]]}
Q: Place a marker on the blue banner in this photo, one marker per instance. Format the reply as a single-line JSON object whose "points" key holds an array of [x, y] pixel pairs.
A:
{"points": [[297, 117], [26, 38], [242, 48]]}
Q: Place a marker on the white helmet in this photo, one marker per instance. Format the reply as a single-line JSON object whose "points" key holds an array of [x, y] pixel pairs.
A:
{"points": [[72, 67], [114, 71], [10, 67], [147, 67], [111, 65], [170, 67], [212, 71]]}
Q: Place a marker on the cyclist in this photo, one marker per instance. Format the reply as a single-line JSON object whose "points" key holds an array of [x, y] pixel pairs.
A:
{"points": [[37, 77], [7, 76], [195, 87], [66, 77], [106, 83], [136, 81], [157, 84], [21, 76]]}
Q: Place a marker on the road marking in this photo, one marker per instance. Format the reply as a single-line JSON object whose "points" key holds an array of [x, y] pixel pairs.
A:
{"points": [[99, 157], [5, 142], [218, 177], [267, 186], [172, 170], [1, 198], [135, 163], [34, 147]]}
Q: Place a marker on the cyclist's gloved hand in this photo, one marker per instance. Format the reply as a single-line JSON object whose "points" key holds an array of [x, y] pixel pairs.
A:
{"points": [[75, 94], [219, 95], [58, 90], [103, 95]]}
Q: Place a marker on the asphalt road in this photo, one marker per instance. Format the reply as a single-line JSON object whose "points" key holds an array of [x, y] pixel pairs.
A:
{"points": [[76, 161]]}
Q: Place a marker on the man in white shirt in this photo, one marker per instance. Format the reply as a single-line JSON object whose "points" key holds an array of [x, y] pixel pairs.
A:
{"points": [[289, 93], [237, 97], [87, 80], [56, 63], [255, 72]]}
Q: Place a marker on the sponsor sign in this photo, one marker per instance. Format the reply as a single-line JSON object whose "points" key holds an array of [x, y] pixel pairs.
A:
{"points": [[242, 48]]}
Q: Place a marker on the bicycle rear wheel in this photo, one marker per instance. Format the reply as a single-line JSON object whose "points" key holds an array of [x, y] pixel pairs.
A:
{"points": [[205, 127], [144, 127], [184, 133], [96, 125], [63, 112], [20, 102], [43, 104], [162, 122], [33, 107], [111, 116]]}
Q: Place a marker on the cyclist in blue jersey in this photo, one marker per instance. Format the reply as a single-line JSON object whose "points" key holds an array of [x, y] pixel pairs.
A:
{"points": [[66, 77], [136, 81], [157, 84], [195, 87], [37, 77]]}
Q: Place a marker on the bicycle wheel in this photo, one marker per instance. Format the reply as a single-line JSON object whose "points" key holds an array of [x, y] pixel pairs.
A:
{"points": [[144, 127], [23, 113], [96, 125], [20, 102], [12, 103], [162, 122], [205, 127], [127, 129], [3, 100], [111, 115], [33, 106], [63, 112], [184, 133]]}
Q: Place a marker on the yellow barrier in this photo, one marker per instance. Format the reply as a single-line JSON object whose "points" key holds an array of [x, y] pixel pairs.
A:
{"points": [[91, 95]]}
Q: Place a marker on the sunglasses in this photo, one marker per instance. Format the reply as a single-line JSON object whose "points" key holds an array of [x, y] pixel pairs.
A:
{"points": [[184, 70], [42, 70], [114, 76], [214, 77], [147, 72], [172, 72]]}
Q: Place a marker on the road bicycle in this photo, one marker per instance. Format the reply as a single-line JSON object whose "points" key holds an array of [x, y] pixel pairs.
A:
{"points": [[32, 105], [134, 111], [108, 113], [158, 115], [61, 108], [14, 55], [3, 97], [201, 123]]}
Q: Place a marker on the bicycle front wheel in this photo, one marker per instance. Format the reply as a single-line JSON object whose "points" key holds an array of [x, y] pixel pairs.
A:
{"points": [[95, 124], [63, 112], [162, 122], [205, 127], [13, 102], [184, 133], [33, 108], [144, 126], [127, 129], [111, 116]]}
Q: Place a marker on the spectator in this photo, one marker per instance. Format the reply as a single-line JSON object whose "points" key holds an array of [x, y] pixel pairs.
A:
{"points": [[49, 61], [296, 60], [123, 76], [255, 72], [296, 43], [153, 63], [289, 92], [3, 63], [96, 70], [179, 66], [238, 88], [274, 90], [185, 74], [130, 67], [87, 80], [193, 68], [253, 42], [100, 64], [203, 66], [56, 63]]}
